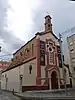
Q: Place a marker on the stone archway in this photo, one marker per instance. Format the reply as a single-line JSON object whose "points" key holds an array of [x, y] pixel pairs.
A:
{"points": [[54, 80]]}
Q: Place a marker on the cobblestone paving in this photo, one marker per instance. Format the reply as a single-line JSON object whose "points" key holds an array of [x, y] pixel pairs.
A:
{"points": [[8, 96]]}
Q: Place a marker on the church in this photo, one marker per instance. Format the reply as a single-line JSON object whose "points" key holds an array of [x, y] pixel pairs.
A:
{"points": [[37, 64]]}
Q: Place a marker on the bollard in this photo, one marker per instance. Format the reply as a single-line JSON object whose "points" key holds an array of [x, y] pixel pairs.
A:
{"points": [[13, 91]]}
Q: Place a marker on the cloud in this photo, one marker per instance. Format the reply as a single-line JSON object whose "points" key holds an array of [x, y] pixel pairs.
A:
{"points": [[8, 41], [61, 11], [63, 18], [27, 17]]}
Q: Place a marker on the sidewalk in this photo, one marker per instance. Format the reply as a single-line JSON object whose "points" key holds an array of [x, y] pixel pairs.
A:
{"points": [[45, 95]]}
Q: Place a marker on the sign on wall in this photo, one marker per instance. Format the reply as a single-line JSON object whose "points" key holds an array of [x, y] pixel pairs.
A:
{"points": [[42, 53]]}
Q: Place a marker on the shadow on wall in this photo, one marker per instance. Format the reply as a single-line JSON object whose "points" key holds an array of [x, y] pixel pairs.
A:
{"points": [[30, 88]]}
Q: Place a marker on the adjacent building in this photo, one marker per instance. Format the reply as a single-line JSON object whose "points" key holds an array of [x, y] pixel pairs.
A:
{"points": [[36, 65], [4, 65], [71, 47]]}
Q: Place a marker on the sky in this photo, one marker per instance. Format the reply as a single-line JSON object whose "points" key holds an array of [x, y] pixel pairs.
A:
{"points": [[21, 19]]}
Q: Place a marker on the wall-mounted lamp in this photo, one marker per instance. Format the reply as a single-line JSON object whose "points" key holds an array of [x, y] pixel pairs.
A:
{"points": [[21, 76]]}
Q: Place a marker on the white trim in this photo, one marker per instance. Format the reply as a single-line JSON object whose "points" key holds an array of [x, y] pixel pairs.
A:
{"points": [[55, 71]]}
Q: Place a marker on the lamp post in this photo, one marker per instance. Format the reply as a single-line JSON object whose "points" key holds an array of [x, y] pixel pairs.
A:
{"points": [[64, 75], [21, 77], [0, 73], [71, 0]]}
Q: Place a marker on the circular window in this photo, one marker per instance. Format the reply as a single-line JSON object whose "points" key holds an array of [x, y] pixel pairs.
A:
{"points": [[51, 49], [47, 45]]}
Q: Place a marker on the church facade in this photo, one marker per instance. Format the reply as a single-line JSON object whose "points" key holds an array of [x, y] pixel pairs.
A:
{"points": [[37, 64]]}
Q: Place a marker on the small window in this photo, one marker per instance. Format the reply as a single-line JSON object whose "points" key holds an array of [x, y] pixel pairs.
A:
{"points": [[50, 43], [5, 75], [2, 76], [50, 49], [74, 41], [54, 48], [16, 57], [48, 25], [30, 69], [47, 45], [74, 68], [73, 59], [12, 59], [71, 43], [72, 51], [21, 53], [27, 50], [65, 71]]}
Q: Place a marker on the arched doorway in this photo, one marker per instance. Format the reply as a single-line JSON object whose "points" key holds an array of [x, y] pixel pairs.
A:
{"points": [[54, 80]]}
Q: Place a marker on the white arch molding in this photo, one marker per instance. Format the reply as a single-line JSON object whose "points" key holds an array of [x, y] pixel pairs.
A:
{"points": [[54, 70], [49, 75]]}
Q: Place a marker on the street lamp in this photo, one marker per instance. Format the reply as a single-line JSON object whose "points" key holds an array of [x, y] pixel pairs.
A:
{"points": [[64, 76], [71, 0], [21, 77], [0, 48]]}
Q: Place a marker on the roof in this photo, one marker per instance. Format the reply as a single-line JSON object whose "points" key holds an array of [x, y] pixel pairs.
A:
{"points": [[22, 62], [48, 16], [24, 45], [4, 64], [71, 36]]}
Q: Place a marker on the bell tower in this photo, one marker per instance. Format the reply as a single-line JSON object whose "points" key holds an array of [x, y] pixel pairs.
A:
{"points": [[48, 25]]}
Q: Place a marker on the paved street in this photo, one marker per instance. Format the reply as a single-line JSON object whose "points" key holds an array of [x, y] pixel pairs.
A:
{"points": [[8, 96], [43, 95]]}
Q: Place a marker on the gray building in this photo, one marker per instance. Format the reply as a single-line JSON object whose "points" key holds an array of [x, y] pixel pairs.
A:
{"points": [[71, 47]]}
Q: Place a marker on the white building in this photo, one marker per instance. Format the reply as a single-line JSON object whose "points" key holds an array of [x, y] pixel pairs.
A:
{"points": [[71, 47], [36, 64]]}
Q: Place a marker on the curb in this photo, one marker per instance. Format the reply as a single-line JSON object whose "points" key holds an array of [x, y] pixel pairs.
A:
{"points": [[45, 98], [20, 96]]}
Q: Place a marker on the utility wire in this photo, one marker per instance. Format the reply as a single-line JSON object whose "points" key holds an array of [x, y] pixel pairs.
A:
{"points": [[6, 55]]}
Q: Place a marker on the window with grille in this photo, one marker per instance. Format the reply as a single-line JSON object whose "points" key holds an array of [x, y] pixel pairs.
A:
{"points": [[30, 69]]}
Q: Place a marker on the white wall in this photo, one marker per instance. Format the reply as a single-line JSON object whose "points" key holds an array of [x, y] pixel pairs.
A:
{"points": [[13, 80], [30, 79], [67, 75], [42, 74], [3, 81], [14, 76], [49, 36]]}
